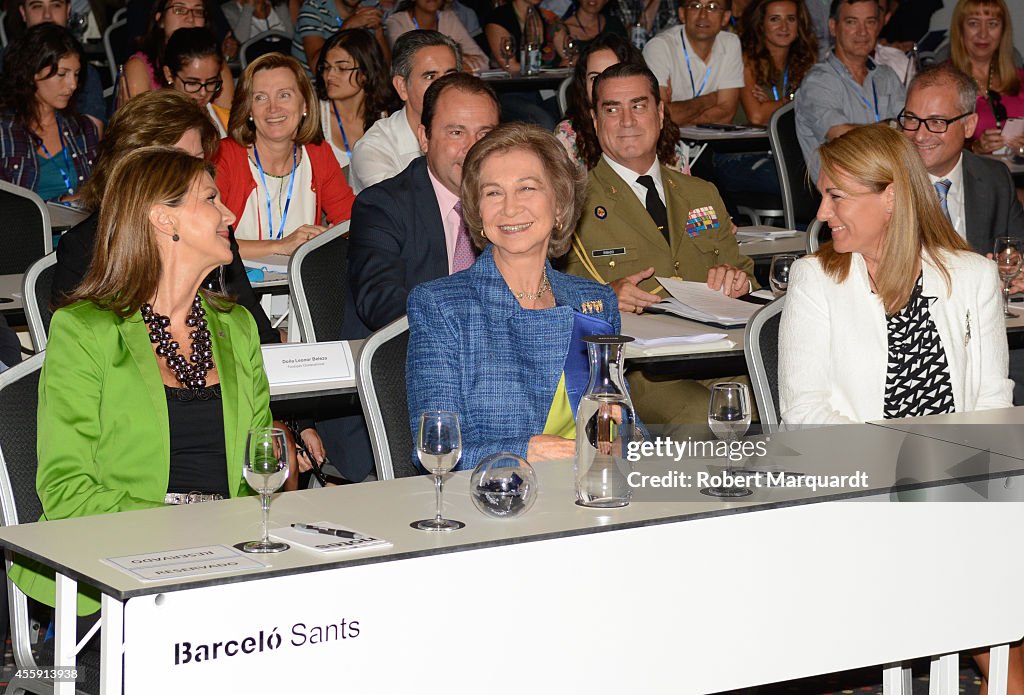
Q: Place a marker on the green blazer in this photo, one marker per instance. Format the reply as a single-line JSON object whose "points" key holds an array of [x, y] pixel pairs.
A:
{"points": [[617, 237], [103, 441]]}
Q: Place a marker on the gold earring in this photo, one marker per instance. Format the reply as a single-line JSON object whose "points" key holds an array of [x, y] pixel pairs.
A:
{"points": [[558, 226], [483, 234]]}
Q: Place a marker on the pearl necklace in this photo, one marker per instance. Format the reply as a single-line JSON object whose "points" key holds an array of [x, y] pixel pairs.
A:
{"points": [[190, 373], [545, 286]]}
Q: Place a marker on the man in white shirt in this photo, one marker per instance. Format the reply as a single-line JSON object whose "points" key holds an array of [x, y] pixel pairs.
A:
{"points": [[896, 59], [699, 67], [418, 58]]}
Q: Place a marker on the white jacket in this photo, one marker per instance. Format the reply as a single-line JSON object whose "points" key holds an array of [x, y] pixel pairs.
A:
{"points": [[833, 340]]}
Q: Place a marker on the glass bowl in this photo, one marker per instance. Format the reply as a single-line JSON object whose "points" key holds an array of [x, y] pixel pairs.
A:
{"points": [[503, 485]]}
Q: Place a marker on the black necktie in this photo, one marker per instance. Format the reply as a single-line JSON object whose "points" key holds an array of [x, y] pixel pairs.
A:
{"points": [[655, 208]]}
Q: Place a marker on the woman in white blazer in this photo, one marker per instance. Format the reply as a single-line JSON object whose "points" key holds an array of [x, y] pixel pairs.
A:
{"points": [[896, 317]]}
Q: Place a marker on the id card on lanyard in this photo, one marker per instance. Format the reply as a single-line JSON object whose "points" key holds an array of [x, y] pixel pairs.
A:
{"points": [[707, 73], [858, 90]]}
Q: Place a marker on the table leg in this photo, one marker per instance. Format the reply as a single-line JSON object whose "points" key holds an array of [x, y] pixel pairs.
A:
{"points": [[896, 680], [998, 669], [944, 675], [112, 647], [64, 637]]}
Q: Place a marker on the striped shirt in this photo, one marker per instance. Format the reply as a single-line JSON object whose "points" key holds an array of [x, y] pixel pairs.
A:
{"points": [[316, 18]]}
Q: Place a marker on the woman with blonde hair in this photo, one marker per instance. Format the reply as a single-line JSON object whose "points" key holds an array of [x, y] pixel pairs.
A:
{"points": [[896, 316], [500, 343], [276, 174], [981, 45]]}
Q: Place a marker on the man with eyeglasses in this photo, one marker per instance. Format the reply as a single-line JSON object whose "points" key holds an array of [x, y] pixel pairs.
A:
{"points": [[90, 87], [699, 67], [848, 88]]}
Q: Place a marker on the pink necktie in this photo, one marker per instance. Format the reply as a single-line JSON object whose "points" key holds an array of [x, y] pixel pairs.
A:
{"points": [[465, 251]]}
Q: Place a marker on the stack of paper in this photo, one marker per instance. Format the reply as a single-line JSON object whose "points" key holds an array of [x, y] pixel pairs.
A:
{"points": [[325, 537], [698, 302], [650, 330], [763, 233], [275, 262]]}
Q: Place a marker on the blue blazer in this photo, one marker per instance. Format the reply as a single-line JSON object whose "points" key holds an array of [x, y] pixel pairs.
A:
{"points": [[475, 351]]}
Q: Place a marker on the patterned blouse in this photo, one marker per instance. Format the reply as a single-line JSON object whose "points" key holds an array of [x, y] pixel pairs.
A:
{"points": [[917, 379]]}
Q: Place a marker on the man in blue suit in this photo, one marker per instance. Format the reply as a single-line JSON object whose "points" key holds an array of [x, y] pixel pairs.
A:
{"points": [[408, 229]]}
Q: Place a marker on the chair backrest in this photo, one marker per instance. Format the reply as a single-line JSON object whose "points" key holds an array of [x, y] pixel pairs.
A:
{"points": [[814, 236], [563, 95], [3, 29], [318, 285], [761, 350], [262, 43], [380, 378], [25, 225], [117, 45], [35, 289], [799, 199], [19, 501]]}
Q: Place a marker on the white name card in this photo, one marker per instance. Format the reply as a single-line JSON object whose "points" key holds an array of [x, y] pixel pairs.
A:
{"points": [[185, 562], [308, 363]]}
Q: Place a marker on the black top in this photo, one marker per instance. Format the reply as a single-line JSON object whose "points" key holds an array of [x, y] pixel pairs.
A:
{"points": [[198, 455], [74, 254], [505, 16], [611, 25], [917, 379], [10, 346]]}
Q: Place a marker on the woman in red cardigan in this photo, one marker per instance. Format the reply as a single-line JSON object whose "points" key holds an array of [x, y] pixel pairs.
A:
{"points": [[274, 171]]}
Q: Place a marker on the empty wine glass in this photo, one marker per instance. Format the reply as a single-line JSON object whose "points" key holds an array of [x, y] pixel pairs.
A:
{"points": [[1008, 257], [729, 418], [265, 469], [439, 447], [570, 49], [778, 276], [508, 50]]}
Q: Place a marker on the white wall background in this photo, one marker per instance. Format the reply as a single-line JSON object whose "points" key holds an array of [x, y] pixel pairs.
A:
{"points": [[940, 20]]}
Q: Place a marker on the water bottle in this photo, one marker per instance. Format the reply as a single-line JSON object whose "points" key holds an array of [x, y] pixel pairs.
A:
{"points": [[638, 36], [533, 40]]}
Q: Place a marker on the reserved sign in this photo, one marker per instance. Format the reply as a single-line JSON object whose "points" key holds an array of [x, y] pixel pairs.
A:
{"points": [[185, 562], [308, 363]]}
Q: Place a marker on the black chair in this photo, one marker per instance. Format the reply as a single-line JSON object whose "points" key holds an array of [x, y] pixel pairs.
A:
{"points": [[380, 378], [800, 199], [263, 43], [761, 350], [19, 502], [318, 285], [36, 288], [117, 44], [26, 229]]}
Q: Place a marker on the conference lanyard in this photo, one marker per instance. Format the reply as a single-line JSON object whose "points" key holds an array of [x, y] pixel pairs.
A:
{"points": [[874, 91], [64, 150], [341, 128], [693, 88], [785, 85], [287, 202]]}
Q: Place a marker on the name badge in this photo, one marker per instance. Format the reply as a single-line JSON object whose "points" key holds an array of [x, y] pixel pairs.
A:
{"points": [[292, 364], [601, 253]]}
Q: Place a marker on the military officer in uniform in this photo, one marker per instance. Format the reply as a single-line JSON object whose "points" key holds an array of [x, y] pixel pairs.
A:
{"points": [[641, 219]]}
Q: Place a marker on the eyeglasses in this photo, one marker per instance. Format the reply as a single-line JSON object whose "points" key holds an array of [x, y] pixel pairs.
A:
{"points": [[182, 10], [711, 7], [995, 100], [933, 125], [211, 86]]}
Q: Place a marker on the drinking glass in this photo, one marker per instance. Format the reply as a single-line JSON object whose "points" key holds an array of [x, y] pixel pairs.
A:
{"points": [[265, 469], [729, 418], [439, 447], [570, 49], [508, 50], [1008, 257], [778, 276]]}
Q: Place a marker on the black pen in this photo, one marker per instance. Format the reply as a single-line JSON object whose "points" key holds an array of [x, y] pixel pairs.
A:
{"points": [[330, 531]]}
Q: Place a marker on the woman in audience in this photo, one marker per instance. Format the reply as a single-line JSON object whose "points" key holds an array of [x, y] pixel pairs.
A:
{"points": [[589, 21], [577, 132], [47, 146], [779, 47], [193, 65], [126, 419], [495, 343], [275, 172], [249, 18], [354, 86], [896, 317], [143, 72], [319, 19], [427, 14], [981, 44]]}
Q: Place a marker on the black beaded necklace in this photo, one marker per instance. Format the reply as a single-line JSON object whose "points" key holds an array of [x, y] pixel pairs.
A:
{"points": [[190, 373]]}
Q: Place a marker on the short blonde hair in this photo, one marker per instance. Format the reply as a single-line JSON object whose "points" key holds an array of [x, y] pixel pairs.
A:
{"points": [[568, 181], [875, 156], [240, 126]]}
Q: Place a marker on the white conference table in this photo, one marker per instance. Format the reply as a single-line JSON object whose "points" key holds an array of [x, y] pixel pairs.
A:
{"points": [[676, 593], [10, 293]]}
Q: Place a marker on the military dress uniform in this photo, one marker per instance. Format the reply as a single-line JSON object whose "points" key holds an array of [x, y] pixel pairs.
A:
{"points": [[617, 237]]}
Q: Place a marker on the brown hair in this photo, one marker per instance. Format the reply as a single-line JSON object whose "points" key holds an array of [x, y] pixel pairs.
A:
{"points": [[1003, 67], [568, 181], [875, 156], [126, 265], [240, 126], [802, 54], [158, 117]]}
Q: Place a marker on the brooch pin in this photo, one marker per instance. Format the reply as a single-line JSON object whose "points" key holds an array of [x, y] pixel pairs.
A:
{"points": [[600, 212], [593, 307]]}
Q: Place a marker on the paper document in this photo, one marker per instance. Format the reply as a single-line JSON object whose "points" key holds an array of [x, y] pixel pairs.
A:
{"points": [[764, 233], [325, 537], [696, 301], [308, 363], [275, 262], [185, 563], [1013, 128], [650, 330]]}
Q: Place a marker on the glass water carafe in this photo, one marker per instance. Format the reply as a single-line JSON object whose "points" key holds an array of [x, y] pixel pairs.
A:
{"points": [[605, 427]]}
